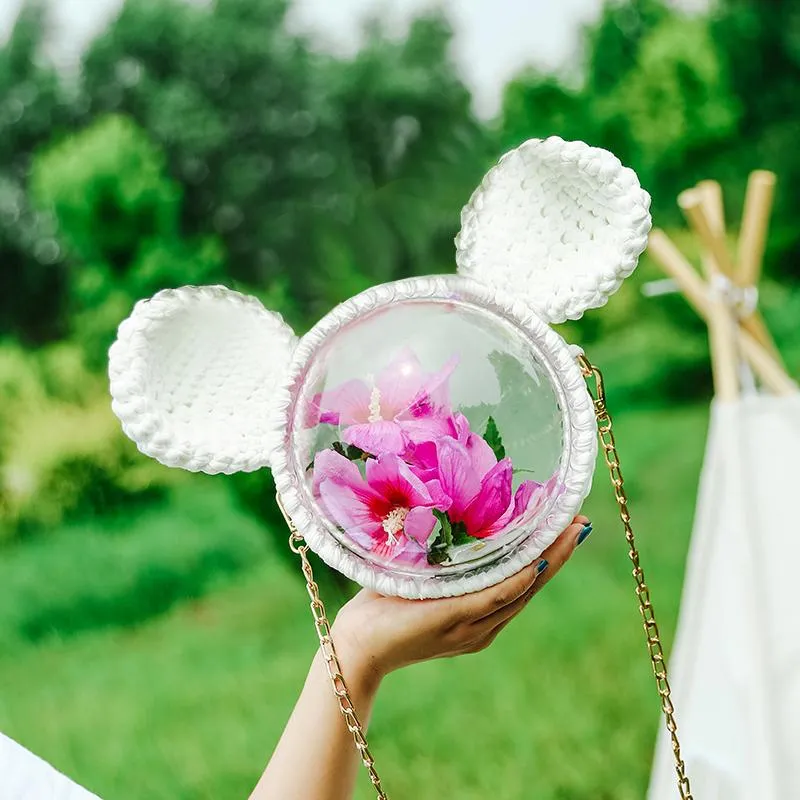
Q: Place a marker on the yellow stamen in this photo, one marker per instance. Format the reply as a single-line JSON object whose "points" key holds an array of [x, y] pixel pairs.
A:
{"points": [[393, 523], [375, 405]]}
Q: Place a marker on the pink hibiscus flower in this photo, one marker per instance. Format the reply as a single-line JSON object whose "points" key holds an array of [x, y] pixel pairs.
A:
{"points": [[480, 486], [390, 513], [404, 404]]}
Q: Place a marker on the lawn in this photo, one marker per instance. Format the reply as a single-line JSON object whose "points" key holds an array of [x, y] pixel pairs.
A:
{"points": [[189, 703]]}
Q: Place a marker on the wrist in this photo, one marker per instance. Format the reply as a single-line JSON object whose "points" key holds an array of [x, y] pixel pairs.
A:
{"points": [[360, 668]]}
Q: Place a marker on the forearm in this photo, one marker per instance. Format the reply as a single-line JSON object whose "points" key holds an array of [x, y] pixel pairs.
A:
{"points": [[316, 758]]}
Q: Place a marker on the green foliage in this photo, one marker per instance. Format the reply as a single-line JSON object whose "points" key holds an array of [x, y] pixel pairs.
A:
{"points": [[33, 108], [760, 45], [323, 174], [125, 568], [62, 453], [118, 218], [493, 439], [676, 100]]}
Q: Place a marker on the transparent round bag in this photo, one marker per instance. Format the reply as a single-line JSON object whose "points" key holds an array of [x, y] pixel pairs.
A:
{"points": [[428, 437]]}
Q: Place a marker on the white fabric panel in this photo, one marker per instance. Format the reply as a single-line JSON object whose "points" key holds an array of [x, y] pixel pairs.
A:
{"points": [[735, 668], [24, 776]]}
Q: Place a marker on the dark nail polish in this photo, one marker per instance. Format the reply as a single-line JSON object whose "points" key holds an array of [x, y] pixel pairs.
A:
{"points": [[542, 566], [585, 531]]}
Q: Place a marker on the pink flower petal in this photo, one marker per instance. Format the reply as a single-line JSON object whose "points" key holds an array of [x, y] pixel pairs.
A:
{"points": [[481, 456], [437, 387], [399, 382], [458, 480], [523, 495], [312, 411], [377, 437], [419, 523], [350, 402], [392, 478], [425, 429], [422, 459], [491, 502], [404, 551], [439, 498], [459, 427], [328, 464], [349, 507]]}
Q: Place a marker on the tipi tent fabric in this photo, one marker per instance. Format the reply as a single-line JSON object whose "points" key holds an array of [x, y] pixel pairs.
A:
{"points": [[24, 776], [735, 669]]}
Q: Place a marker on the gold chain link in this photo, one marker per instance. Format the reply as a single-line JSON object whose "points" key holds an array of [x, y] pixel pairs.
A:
{"points": [[297, 545], [323, 628], [654, 647]]}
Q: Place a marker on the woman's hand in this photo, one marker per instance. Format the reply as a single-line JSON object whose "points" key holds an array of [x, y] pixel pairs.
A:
{"points": [[375, 635]]}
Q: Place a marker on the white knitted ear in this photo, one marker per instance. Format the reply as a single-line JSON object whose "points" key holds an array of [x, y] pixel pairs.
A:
{"points": [[194, 373], [559, 223]]}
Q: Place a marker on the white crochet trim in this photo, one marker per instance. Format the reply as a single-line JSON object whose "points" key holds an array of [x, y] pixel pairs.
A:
{"points": [[559, 222], [193, 376], [580, 444]]}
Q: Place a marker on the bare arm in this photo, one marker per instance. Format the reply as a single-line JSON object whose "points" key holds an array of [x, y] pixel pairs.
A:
{"points": [[316, 758]]}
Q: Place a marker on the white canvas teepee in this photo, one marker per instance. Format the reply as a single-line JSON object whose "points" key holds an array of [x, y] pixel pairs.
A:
{"points": [[735, 667]]}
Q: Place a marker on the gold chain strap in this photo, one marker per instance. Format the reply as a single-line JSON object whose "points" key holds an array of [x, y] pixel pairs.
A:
{"points": [[654, 647], [297, 545], [323, 628]]}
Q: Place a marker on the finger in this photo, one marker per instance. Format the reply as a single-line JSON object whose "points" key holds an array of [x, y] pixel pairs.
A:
{"points": [[489, 626], [559, 553], [556, 556], [487, 601], [503, 616]]}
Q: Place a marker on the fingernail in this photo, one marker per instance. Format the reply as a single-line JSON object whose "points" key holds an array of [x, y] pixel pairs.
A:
{"points": [[583, 535], [542, 566]]}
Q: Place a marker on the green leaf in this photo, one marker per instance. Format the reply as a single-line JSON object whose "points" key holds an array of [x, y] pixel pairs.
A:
{"points": [[438, 554], [446, 531], [493, 439], [439, 551], [460, 535], [450, 534], [350, 451], [356, 453]]}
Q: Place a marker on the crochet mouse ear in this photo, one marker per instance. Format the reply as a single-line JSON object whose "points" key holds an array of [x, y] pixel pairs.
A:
{"points": [[194, 374], [559, 223]]}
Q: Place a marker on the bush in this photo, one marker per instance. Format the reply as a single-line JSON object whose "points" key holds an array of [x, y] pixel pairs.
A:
{"points": [[118, 219], [63, 455], [127, 567]]}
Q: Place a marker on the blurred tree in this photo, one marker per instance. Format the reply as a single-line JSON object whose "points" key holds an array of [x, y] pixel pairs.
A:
{"points": [[321, 176], [654, 91], [117, 217], [760, 43], [243, 113], [675, 104], [33, 108]]}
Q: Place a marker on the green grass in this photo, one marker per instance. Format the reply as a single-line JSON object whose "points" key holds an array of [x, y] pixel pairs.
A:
{"points": [[561, 707], [123, 569]]}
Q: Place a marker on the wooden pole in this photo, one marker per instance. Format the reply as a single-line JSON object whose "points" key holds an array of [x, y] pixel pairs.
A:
{"points": [[755, 220], [713, 205], [693, 203], [673, 262], [752, 239], [721, 321]]}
